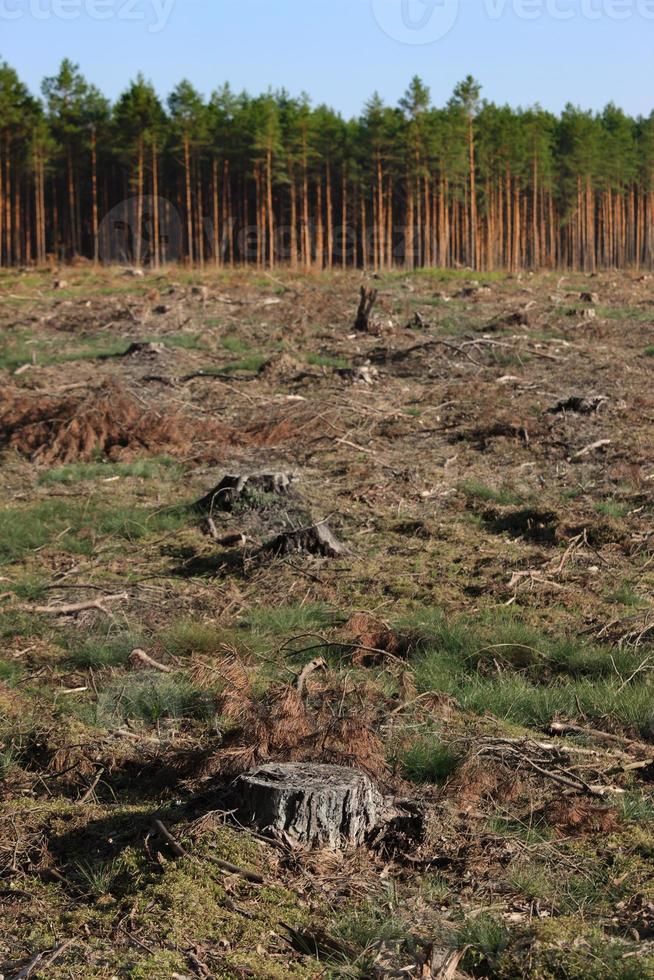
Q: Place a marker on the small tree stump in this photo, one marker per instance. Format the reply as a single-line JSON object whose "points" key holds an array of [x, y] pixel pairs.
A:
{"points": [[367, 300], [233, 489], [315, 540], [309, 804]]}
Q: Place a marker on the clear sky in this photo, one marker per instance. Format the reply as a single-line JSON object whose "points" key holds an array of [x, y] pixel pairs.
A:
{"points": [[339, 51]]}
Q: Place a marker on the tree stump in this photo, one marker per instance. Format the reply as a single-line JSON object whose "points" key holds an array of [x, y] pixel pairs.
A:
{"points": [[315, 540], [309, 804], [246, 488], [367, 300]]}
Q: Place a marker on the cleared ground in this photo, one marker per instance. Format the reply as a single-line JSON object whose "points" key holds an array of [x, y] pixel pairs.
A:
{"points": [[491, 470]]}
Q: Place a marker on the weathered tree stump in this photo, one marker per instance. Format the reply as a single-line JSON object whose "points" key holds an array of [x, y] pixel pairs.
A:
{"points": [[233, 489], [315, 540], [367, 302], [581, 404], [363, 373], [309, 804], [145, 349]]}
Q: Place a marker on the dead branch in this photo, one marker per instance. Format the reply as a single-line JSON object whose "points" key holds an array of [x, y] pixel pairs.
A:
{"points": [[568, 728], [600, 444], [141, 657], [42, 961], [181, 851], [92, 788], [75, 607]]}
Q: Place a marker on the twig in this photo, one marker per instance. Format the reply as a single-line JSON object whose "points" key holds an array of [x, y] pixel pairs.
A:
{"points": [[600, 444], [90, 791], [141, 657], [181, 851], [571, 782], [42, 960], [572, 547]]}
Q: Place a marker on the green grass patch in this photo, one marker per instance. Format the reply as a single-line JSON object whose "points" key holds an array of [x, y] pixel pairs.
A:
{"points": [[8, 760], [327, 360], [150, 698], [143, 469], [29, 588], [249, 364], [235, 344], [504, 496], [273, 621], [22, 348], [624, 595], [496, 664], [187, 637], [612, 508], [533, 833], [10, 672], [624, 313], [74, 525], [365, 929], [488, 937], [636, 807], [99, 651], [429, 760]]}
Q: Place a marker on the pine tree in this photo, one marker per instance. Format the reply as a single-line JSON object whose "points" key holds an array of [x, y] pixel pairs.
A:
{"points": [[466, 101], [20, 115], [139, 124], [189, 121], [470, 183]]}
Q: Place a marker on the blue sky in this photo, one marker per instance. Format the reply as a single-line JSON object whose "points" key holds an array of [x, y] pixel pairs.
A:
{"points": [[523, 51]]}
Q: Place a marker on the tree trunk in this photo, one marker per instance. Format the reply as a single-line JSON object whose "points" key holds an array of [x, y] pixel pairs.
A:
{"points": [[155, 205], [94, 196], [189, 211], [269, 208]]}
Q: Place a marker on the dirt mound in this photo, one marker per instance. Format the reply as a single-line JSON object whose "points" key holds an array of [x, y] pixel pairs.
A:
{"points": [[108, 421]]}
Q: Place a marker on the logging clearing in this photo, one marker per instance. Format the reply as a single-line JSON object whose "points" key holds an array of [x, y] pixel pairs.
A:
{"points": [[327, 623]]}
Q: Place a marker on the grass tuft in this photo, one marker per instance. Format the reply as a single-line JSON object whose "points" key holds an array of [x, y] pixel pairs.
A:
{"points": [[429, 760], [151, 698]]}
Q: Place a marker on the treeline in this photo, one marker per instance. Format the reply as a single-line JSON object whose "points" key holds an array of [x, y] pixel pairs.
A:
{"points": [[271, 179]]}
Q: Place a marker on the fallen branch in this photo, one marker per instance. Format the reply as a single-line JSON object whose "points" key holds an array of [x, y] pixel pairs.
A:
{"points": [[74, 607], [141, 657], [600, 444], [181, 851], [90, 791], [42, 961], [568, 728]]}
